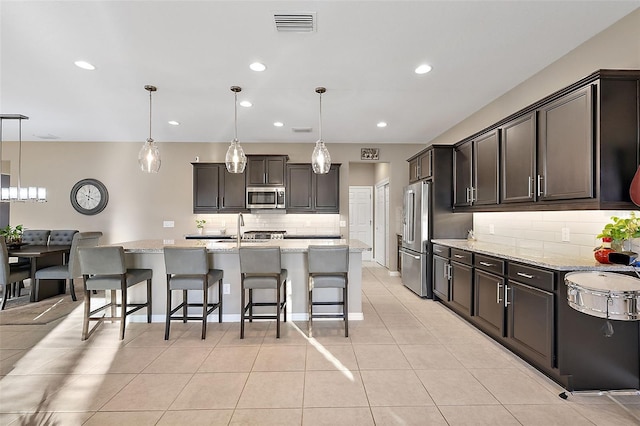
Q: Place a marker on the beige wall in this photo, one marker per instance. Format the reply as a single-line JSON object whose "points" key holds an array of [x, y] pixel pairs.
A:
{"points": [[617, 47], [361, 174]]}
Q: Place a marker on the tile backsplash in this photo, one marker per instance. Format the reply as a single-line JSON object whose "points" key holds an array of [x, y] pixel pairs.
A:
{"points": [[296, 224], [543, 231]]}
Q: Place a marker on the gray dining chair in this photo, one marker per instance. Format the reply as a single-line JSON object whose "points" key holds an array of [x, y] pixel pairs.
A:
{"points": [[260, 269], [103, 268], [10, 274], [62, 237], [188, 270], [72, 269], [329, 268], [39, 237]]}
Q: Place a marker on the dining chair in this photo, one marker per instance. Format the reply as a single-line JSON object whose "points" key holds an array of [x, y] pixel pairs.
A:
{"points": [[9, 273], [329, 268], [188, 270], [39, 237], [62, 237], [72, 269], [103, 268], [260, 269]]}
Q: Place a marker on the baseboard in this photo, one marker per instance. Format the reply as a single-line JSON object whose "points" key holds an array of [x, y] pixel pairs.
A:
{"points": [[394, 273]]}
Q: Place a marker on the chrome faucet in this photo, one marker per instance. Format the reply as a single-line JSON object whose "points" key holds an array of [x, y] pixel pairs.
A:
{"points": [[240, 223]]}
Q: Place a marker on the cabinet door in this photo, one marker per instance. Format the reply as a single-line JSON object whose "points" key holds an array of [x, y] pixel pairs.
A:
{"points": [[232, 190], [299, 181], [275, 170], [566, 131], [413, 170], [518, 142], [531, 322], [441, 278], [327, 191], [488, 306], [205, 188], [461, 287], [485, 169], [462, 162], [425, 165], [256, 171]]}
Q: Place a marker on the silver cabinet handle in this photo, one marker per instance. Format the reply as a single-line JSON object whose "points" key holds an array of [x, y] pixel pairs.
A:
{"points": [[459, 256], [473, 195], [522, 274], [448, 272], [506, 296], [540, 193], [486, 264], [529, 187], [498, 287], [468, 195]]}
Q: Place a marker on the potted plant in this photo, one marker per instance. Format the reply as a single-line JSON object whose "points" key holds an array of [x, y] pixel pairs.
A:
{"points": [[200, 225], [12, 235], [622, 230]]}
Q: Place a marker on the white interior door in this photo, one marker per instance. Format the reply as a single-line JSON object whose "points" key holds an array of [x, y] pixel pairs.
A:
{"points": [[361, 216], [381, 229]]}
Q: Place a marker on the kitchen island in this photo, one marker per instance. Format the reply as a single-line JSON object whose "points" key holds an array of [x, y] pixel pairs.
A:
{"points": [[224, 255]]}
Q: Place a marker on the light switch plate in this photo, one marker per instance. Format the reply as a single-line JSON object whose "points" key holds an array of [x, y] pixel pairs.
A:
{"points": [[566, 235], [492, 229], [343, 223], [168, 224], [226, 288]]}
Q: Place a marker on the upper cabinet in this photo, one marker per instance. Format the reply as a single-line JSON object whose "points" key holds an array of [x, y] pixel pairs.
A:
{"points": [[215, 190], [421, 167], [266, 170], [308, 192], [576, 149]]}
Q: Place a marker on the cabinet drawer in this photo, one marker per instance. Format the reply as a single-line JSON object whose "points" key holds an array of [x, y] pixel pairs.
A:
{"points": [[462, 256], [442, 251], [489, 264], [534, 277]]}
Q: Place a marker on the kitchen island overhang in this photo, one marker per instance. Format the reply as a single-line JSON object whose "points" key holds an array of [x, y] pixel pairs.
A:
{"points": [[224, 255]]}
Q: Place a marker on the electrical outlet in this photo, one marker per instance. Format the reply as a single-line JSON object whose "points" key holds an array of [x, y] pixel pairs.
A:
{"points": [[170, 242], [168, 224], [226, 288], [343, 223], [492, 229], [566, 236]]}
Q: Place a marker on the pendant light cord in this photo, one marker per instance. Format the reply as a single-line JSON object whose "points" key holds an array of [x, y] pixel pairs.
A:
{"points": [[235, 117], [150, 92], [19, 153], [320, 132]]}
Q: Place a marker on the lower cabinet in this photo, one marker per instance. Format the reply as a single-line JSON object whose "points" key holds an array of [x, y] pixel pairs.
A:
{"points": [[488, 303], [461, 282], [441, 277]]}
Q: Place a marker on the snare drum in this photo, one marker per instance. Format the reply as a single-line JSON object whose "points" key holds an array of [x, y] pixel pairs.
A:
{"points": [[604, 295]]}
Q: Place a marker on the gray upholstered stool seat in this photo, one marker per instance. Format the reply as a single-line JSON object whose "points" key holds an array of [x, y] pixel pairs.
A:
{"points": [[261, 269], [72, 269], [103, 268], [329, 268], [10, 273], [188, 269]]}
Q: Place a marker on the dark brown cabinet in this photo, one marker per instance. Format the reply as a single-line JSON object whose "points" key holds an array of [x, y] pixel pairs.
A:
{"points": [[488, 296], [216, 190], [441, 277], [476, 171], [308, 192], [517, 164], [266, 170], [461, 282], [421, 167], [462, 173]]}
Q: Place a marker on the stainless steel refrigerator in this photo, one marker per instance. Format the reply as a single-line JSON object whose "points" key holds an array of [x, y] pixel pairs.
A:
{"points": [[415, 238]]}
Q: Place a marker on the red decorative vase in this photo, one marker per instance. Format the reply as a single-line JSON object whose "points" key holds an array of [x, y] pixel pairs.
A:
{"points": [[602, 254]]}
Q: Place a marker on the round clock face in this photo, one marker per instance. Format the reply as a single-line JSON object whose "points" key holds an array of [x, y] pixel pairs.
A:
{"points": [[89, 196]]}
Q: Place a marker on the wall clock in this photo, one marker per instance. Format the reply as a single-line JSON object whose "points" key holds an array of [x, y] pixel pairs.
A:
{"points": [[89, 196]]}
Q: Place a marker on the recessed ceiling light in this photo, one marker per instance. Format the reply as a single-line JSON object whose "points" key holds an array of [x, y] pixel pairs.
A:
{"points": [[84, 65], [258, 67], [174, 123], [423, 69], [382, 124], [246, 104], [278, 124]]}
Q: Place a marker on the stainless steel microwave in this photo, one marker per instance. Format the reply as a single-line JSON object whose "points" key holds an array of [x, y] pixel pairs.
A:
{"points": [[269, 197]]}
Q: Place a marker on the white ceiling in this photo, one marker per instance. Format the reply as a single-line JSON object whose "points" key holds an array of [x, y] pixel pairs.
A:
{"points": [[363, 52]]}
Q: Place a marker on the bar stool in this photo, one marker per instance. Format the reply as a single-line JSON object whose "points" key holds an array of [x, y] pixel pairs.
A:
{"points": [[188, 269], [103, 268], [261, 269], [9, 273], [329, 268]]}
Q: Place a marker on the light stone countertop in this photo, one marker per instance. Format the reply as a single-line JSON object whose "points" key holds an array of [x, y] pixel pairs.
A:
{"points": [[226, 246], [532, 257]]}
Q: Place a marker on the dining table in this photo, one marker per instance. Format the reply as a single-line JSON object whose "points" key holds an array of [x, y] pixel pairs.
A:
{"points": [[41, 256]]}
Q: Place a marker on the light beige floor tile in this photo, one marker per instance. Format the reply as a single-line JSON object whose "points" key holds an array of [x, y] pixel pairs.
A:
{"points": [[380, 357], [334, 389], [51, 418], [230, 359], [34, 360], [478, 415], [125, 360], [193, 337], [178, 360], [87, 392], [7, 365], [254, 334], [26, 393], [196, 418], [337, 416], [155, 336], [609, 415], [331, 357], [413, 336], [275, 417], [7, 353], [394, 388], [400, 320], [455, 387], [273, 390], [479, 356], [281, 358], [148, 392], [126, 418], [22, 340], [326, 333], [291, 333], [430, 357], [548, 415], [8, 418], [408, 416], [371, 336], [208, 391], [511, 386]]}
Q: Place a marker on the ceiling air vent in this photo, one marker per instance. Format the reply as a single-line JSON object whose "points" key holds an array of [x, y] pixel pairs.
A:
{"points": [[301, 129], [295, 22]]}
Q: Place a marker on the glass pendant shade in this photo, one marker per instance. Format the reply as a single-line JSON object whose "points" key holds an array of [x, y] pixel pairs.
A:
{"points": [[149, 157], [320, 158], [235, 160]]}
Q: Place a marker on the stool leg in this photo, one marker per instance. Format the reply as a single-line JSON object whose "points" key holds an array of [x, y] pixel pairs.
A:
{"points": [[250, 305], [149, 310], [123, 311], [278, 310], [242, 308], [184, 306], [310, 308], [285, 301], [87, 310], [167, 323], [113, 303], [205, 302], [345, 309], [5, 295], [220, 301]]}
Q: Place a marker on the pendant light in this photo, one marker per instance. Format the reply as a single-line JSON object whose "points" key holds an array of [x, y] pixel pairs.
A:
{"points": [[235, 160], [320, 158], [149, 155], [18, 193]]}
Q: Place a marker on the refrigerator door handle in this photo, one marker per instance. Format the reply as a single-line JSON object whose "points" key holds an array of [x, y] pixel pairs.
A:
{"points": [[409, 254]]}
